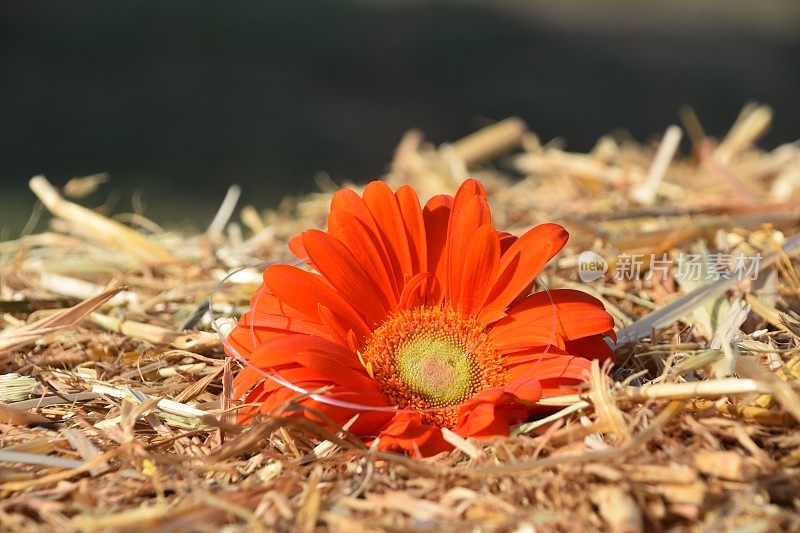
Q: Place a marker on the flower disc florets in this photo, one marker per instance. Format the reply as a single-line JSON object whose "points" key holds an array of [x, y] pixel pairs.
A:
{"points": [[431, 360]]}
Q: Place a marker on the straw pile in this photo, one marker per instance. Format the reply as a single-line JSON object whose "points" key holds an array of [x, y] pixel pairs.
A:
{"points": [[116, 413]]}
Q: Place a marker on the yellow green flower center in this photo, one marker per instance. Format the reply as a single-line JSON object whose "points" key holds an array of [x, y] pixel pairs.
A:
{"points": [[437, 369], [431, 360]]}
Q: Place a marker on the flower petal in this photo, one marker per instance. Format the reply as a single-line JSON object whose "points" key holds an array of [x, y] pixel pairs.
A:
{"points": [[271, 402], [260, 324], [506, 240], [414, 291], [311, 363], [415, 227], [553, 371], [519, 266], [347, 201], [515, 338], [280, 352], [491, 412], [368, 248], [297, 248], [305, 292], [569, 314], [407, 432], [265, 322], [264, 302], [594, 347], [335, 262], [383, 206], [470, 212], [479, 265], [437, 219]]}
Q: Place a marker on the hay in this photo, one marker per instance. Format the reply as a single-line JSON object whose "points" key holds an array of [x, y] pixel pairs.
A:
{"points": [[118, 415]]}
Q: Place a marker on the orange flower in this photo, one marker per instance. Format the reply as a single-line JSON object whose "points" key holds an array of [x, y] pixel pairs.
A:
{"points": [[428, 310]]}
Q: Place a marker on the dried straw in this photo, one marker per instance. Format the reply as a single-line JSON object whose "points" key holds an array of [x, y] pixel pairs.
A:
{"points": [[116, 418]]}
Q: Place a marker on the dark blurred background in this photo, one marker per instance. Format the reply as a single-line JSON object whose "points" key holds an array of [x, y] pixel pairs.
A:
{"points": [[182, 98]]}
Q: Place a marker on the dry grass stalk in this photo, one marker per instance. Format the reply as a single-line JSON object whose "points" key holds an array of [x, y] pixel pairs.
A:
{"points": [[102, 228], [490, 142], [645, 194], [15, 338]]}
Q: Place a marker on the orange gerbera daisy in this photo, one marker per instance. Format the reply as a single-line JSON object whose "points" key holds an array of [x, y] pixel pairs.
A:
{"points": [[425, 316]]}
